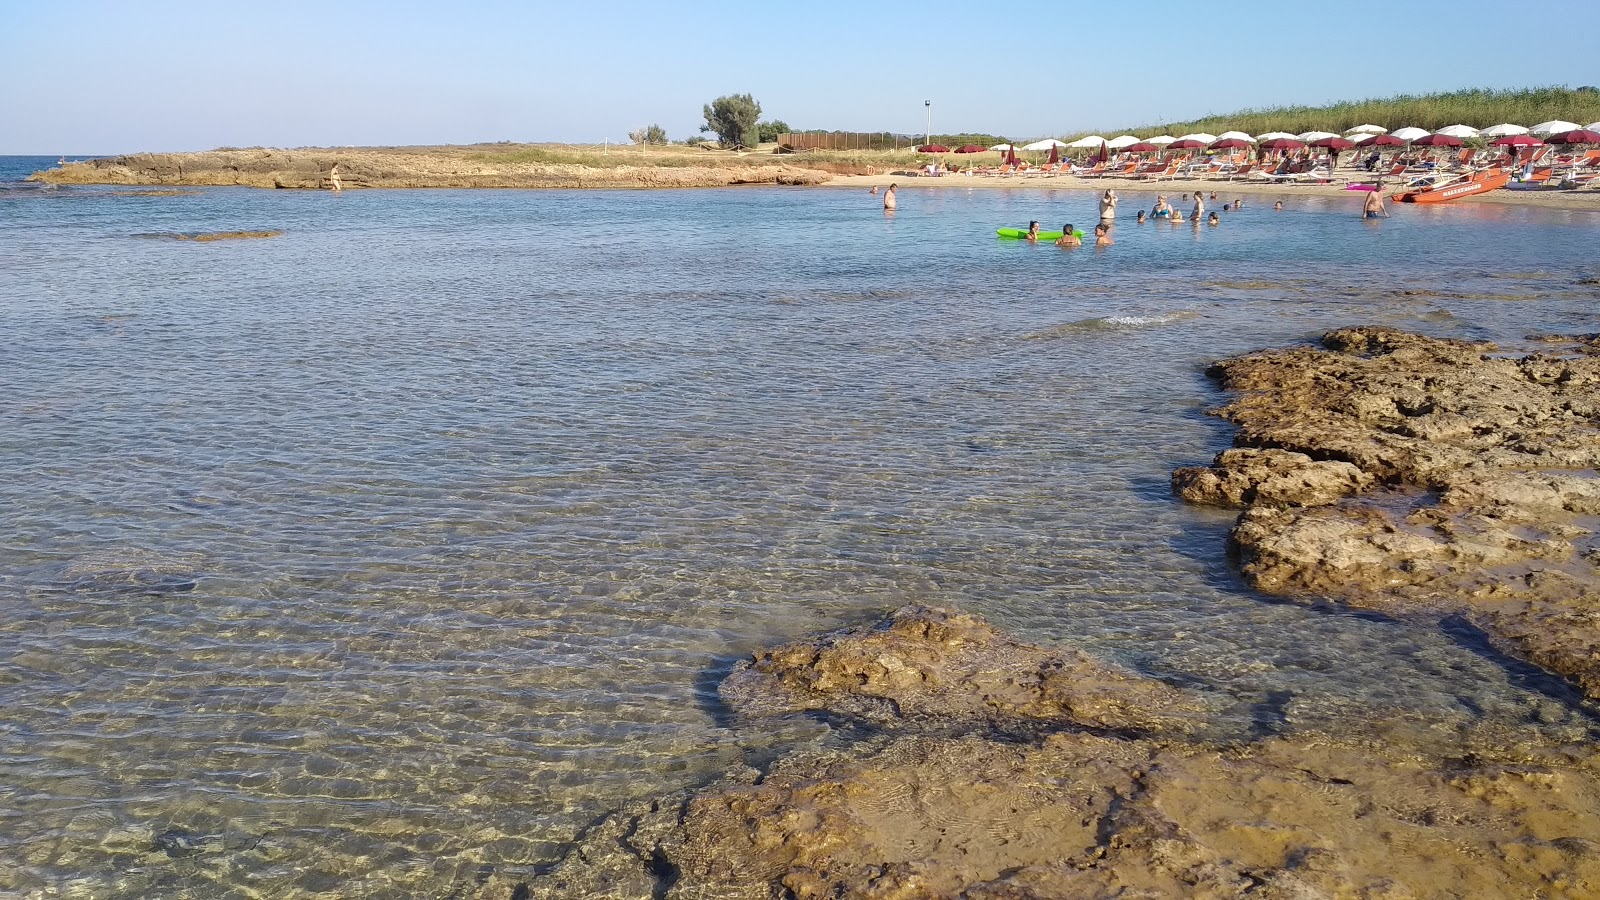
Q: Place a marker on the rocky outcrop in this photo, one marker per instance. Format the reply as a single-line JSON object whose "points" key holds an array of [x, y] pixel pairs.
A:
{"points": [[919, 812], [409, 168], [929, 665], [1250, 477], [1405, 473]]}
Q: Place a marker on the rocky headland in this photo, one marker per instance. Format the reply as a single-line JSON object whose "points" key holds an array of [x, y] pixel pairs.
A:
{"points": [[490, 166], [1423, 477]]}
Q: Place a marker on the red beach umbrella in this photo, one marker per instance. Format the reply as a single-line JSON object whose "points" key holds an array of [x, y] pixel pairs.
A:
{"points": [[1186, 145], [1380, 140], [970, 148], [1230, 144], [933, 148], [1142, 147], [1334, 143], [1581, 136], [1011, 154], [1283, 144], [1055, 156], [1437, 140], [1516, 140]]}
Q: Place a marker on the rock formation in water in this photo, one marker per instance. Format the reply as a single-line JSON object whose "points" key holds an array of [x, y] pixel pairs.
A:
{"points": [[926, 665], [921, 812], [1404, 473], [411, 167]]}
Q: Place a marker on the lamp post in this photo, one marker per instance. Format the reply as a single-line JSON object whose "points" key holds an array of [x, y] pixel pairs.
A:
{"points": [[928, 135]]}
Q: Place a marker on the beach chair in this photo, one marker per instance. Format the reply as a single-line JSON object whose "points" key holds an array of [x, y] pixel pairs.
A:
{"points": [[1167, 173], [1089, 172], [1238, 173], [1272, 177]]}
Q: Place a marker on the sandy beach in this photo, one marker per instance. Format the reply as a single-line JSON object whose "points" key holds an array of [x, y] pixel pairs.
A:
{"points": [[1226, 191]]}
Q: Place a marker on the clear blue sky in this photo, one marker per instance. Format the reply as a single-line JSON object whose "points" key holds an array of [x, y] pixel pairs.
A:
{"points": [[100, 77]]}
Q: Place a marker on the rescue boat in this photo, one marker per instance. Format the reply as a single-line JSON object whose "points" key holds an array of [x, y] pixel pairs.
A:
{"points": [[1443, 188]]}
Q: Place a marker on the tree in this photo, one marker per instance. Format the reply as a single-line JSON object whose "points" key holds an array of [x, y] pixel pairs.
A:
{"points": [[770, 129], [650, 134], [733, 120]]}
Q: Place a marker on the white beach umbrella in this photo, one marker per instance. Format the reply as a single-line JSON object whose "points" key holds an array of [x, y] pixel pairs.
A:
{"points": [[1162, 139], [1366, 129], [1126, 140], [1553, 127], [1505, 130], [1093, 140], [1275, 135], [1310, 136], [1592, 126], [1204, 138], [1235, 135], [1001, 147], [1409, 134], [1459, 131]]}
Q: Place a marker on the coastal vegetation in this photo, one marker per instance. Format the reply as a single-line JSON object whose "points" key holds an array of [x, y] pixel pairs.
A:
{"points": [[650, 134], [1479, 107], [732, 118]]}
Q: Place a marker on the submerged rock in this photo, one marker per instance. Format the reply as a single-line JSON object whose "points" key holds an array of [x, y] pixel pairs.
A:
{"points": [[1490, 494], [927, 665], [921, 813]]}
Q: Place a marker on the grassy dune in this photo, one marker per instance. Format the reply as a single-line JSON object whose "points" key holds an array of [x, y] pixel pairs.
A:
{"points": [[1474, 106]]}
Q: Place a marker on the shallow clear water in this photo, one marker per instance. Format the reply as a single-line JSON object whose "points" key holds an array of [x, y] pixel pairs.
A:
{"points": [[356, 560]]}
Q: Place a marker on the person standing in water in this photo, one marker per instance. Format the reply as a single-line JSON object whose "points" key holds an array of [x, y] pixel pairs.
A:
{"points": [[1102, 235], [1108, 206], [888, 197], [333, 179], [1199, 210], [1068, 238], [1373, 208]]}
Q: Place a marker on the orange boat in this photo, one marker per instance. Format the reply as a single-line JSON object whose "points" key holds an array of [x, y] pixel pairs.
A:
{"points": [[1452, 187]]}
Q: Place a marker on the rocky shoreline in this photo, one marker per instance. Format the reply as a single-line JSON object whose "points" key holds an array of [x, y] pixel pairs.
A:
{"points": [[1389, 471], [1423, 477], [998, 769], [406, 168]]}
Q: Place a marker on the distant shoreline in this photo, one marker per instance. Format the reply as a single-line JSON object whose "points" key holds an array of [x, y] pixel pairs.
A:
{"points": [[1227, 191], [554, 166]]}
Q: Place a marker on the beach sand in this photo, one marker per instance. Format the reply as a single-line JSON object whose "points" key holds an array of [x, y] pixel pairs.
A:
{"points": [[1227, 191]]}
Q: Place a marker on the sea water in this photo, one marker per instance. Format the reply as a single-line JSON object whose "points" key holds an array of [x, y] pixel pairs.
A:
{"points": [[397, 549]]}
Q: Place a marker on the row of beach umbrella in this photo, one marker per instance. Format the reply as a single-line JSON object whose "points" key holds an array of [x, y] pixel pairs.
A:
{"points": [[1554, 132]]}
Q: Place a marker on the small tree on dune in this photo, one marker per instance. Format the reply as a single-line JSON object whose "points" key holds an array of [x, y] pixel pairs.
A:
{"points": [[733, 120], [770, 129], [650, 134]]}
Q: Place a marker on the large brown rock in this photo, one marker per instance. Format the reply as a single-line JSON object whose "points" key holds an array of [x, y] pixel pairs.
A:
{"points": [[1489, 499], [1086, 816], [924, 664]]}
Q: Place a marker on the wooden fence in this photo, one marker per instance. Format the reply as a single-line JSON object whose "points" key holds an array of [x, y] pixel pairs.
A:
{"points": [[846, 140]]}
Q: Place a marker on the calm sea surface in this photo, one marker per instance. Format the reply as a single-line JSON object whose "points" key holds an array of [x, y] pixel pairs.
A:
{"points": [[365, 559]]}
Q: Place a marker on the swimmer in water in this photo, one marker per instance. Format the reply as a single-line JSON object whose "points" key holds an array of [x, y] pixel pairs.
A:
{"points": [[1162, 209], [1102, 235], [1139, 219], [1213, 220], [1277, 207], [1373, 208], [1033, 232], [1068, 238]]}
